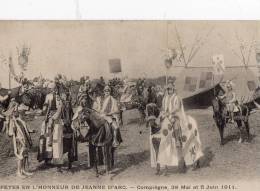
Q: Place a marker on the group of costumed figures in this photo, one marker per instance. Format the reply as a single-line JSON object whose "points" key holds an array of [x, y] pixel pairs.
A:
{"points": [[174, 137]]}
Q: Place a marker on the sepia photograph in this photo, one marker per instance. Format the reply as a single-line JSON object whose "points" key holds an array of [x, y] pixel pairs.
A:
{"points": [[129, 105]]}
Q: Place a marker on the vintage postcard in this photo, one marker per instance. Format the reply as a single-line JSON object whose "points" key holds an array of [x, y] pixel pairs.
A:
{"points": [[129, 105]]}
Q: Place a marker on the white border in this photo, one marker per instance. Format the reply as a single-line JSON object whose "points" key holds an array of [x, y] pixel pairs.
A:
{"points": [[129, 9]]}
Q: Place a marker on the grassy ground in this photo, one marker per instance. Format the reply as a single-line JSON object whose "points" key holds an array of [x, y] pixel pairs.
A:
{"points": [[232, 162]]}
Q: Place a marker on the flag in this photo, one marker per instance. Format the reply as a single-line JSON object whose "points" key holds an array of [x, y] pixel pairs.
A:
{"points": [[23, 57], [114, 65], [218, 64], [168, 63], [171, 53]]}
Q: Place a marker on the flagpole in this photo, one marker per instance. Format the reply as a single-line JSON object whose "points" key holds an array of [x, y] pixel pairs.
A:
{"points": [[10, 63], [213, 81]]}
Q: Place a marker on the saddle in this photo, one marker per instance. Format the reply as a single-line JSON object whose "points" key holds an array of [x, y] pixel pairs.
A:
{"points": [[237, 113]]}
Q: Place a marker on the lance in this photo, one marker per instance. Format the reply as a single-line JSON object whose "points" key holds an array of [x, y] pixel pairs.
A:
{"points": [[10, 65]]}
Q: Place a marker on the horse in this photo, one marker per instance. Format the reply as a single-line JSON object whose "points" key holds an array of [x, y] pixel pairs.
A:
{"points": [[189, 150], [241, 117], [138, 100], [33, 98], [152, 113], [100, 138]]}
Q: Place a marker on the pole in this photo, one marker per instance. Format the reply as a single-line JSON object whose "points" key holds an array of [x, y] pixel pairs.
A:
{"points": [[10, 65], [166, 76]]}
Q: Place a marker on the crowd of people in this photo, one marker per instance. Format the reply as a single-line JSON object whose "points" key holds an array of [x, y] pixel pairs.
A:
{"points": [[63, 125]]}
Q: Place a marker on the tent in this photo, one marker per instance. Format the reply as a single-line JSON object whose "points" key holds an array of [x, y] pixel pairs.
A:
{"points": [[196, 86], [245, 77]]}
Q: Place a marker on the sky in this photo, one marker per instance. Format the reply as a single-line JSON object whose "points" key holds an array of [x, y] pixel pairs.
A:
{"points": [[77, 48]]}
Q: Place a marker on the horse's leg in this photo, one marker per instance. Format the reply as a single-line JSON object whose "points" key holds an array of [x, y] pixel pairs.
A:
{"points": [[240, 128], [100, 156], [142, 117], [221, 133], [121, 117], [113, 149], [158, 168], [70, 158], [110, 157], [106, 162], [247, 130], [95, 160]]}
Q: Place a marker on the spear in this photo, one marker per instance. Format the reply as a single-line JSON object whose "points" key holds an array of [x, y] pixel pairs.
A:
{"points": [[10, 65], [180, 45]]}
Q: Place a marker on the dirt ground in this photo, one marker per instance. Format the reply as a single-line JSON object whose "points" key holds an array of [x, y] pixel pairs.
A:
{"points": [[233, 162]]}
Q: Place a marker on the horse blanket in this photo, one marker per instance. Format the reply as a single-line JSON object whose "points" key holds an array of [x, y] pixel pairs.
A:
{"points": [[177, 139]]}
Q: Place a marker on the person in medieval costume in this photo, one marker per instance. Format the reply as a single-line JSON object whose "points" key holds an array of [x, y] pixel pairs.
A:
{"points": [[85, 92], [22, 141], [3, 100], [69, 137], [107, 106], [57, 136], [52, 108], [26, 85], [125, 84], [61, 84], [179, 138], [84, 88], [231, 100]]}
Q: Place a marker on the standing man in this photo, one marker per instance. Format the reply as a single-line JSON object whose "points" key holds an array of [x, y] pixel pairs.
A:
{"points": [[52, 108]]}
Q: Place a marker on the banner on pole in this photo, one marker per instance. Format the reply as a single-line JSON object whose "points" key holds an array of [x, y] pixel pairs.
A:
{"points": [[218, 64], [115, 65]]}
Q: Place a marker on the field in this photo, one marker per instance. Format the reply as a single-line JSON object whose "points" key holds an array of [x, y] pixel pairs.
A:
{"points": [[230, 163]]}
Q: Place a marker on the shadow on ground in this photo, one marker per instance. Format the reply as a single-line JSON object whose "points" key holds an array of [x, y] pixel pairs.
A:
{"points": [[128, 160]]}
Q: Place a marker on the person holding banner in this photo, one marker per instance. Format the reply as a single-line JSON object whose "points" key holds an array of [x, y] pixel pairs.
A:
{"points": [[179, 137]]}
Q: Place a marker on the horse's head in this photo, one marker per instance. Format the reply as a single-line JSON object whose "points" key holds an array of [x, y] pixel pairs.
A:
{"points": [[152, 112], [218, 103], [90, 116], [256, 95]]}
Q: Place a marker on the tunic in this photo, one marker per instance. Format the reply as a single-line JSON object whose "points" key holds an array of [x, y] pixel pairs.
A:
{"points": [[50, 145], [179, 137], [107, 107]]}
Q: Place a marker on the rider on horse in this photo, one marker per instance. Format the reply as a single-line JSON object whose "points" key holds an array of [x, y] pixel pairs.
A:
{"points": [[107, 106], [180, 143], [231, 101]]}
